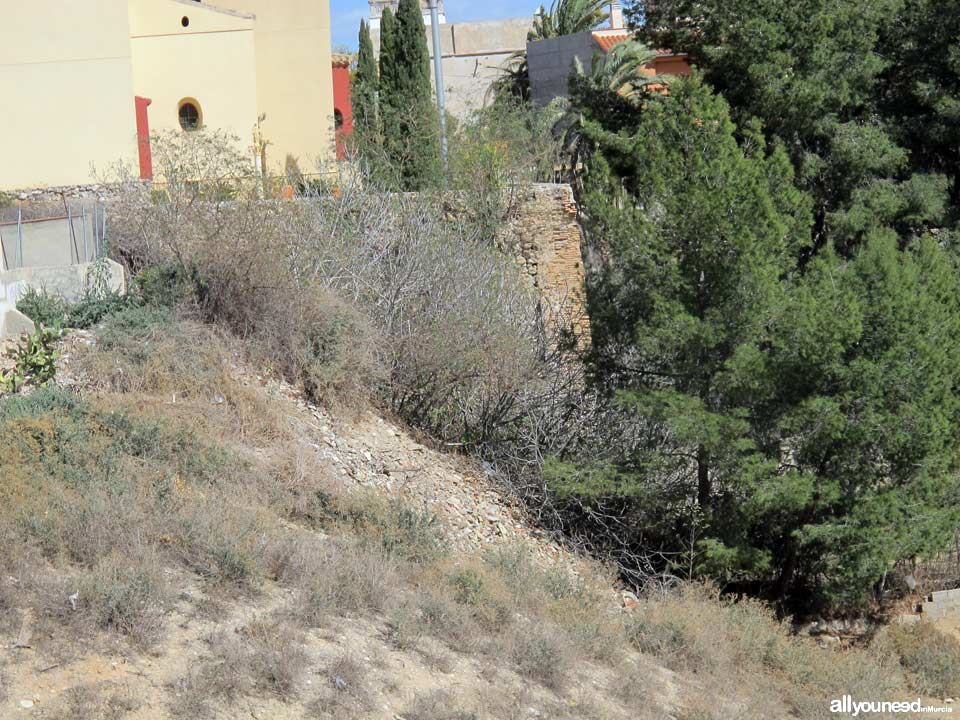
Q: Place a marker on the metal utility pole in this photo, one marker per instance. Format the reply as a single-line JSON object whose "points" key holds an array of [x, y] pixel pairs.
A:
{"points": [[438, 74]]}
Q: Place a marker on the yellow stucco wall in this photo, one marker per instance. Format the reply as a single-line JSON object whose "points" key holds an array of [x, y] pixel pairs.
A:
{"points": [[72, 69], [66, 75], [212, 60], [294, 78]]}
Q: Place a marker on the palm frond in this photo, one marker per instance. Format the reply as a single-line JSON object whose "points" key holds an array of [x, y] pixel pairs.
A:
{"points": [[568, 17]]}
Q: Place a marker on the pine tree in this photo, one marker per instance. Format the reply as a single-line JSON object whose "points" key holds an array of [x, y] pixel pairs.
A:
{"points": [[923, 86], [366, 83], [813, 72], [798, 426], [410, 128]]}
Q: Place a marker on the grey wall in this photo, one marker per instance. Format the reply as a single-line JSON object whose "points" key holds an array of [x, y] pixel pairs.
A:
{"points": [[551, 62], [48, 243]]}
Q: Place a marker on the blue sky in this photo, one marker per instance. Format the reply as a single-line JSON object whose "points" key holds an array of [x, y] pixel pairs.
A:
{"points": [[345, 15]]}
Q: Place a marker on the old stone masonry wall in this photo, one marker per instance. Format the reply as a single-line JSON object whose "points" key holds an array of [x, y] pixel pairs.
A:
{"points": [[544, 235]]}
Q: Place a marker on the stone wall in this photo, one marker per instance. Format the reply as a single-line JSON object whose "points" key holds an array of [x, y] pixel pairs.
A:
{"points": [[50, 194], [544, 235]]}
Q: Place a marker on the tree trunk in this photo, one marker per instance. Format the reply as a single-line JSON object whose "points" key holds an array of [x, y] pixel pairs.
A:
{"points": [[955, 190], [703, 478], [784, 580]]}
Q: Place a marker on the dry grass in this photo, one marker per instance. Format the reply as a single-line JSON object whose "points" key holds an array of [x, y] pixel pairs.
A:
{"points": [[348, 579], [264, 658], [149, 353], [103, 701], [437, 705], [542, 654], [345, 693], [930, 658], [108, 499], [740, 645]]}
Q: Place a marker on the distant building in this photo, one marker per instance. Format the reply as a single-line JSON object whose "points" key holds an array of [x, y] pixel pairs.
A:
{"points": [[378, 6], [474, 53], [87, 82], [550, 62]]}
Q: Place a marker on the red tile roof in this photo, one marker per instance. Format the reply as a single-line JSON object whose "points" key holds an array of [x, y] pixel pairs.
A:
{"points": [[606, 39]]}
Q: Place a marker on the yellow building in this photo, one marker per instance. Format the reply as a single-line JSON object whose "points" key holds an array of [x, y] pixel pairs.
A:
{"points": [[83, 79]]}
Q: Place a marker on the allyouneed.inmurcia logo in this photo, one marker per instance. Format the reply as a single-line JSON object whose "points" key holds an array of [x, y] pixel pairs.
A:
{"points": [[855, 708]]}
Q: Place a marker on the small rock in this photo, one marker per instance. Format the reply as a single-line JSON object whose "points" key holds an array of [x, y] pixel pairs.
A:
{"points": [[26, 704]]}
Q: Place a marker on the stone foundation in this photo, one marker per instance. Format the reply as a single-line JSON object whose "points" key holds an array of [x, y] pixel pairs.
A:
{"points": [[83, 192]]}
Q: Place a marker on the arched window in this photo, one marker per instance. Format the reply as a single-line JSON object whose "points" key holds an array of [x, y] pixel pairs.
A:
{"points": [[337, 119], [189, 115]]}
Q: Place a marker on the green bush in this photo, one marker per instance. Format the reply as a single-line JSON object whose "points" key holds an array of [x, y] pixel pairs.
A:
{"points": [[34, 361], [133, 326], [165, 285], [98, 302], [42, 307]]}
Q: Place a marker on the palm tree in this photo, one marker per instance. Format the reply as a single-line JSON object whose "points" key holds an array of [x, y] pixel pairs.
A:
{"points": [[622, 71], [614, 86], [568, 17]]}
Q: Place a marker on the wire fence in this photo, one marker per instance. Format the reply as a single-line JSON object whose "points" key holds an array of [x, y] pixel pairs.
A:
{"points": [[941, 572], [46, 234]]}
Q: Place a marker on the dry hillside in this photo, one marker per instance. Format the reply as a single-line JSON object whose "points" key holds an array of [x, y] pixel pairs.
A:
{"points": [[183, 536]]}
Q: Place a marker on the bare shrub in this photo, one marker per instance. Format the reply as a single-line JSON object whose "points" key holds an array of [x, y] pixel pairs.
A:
{"points": [[275, 658], [262, 657], [484, 594], [298, 486], [344, 694], [404, 626], [450, 621], [543, 655], [127, 594], [102, 701], [396, 528], [219, 539], [291, 558], [358, 292], [437, 705], [234, 254]]}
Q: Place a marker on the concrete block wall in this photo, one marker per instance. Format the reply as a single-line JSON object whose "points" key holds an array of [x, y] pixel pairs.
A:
{"points": [[943, 605], [551, 62]]}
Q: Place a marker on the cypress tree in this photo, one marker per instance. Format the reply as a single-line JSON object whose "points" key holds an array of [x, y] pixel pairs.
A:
{"points": [[366, 83], [406, 107]]}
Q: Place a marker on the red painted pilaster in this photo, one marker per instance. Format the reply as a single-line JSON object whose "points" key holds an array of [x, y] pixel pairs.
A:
{"points": [[143, 138]]}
